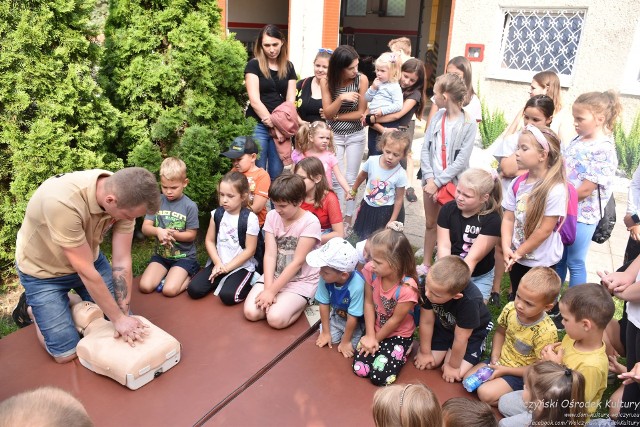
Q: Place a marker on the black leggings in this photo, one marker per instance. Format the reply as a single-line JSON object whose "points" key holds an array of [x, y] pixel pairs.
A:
{"points": [[235, 288], [383, 367], [629, 414]]}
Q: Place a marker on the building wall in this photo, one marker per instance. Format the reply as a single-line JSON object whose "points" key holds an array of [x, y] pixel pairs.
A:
{"points": [[305, 34], [246, 17], [604, 53]]}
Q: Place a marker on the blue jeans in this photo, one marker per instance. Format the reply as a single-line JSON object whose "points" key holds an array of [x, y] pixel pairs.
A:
{"points": [[574, 256], [268, 158], [49, 302]]}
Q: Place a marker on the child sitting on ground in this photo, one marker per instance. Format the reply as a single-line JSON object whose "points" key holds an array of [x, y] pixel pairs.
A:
{"points": [[524, 329], [390, 296], [454, 321], [340, 295], [463, 412], [410, 405], [231, 242], [175, 227], [586, 310], [288, 282], [243, 153]]}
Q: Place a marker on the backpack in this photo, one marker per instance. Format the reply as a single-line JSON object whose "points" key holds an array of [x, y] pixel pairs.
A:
{"points": [[243, 221], [607, 220], [568, 226]]}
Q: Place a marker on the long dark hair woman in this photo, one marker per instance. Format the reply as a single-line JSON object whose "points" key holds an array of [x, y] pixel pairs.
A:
{"points": [[343, 104], [270, 79]]}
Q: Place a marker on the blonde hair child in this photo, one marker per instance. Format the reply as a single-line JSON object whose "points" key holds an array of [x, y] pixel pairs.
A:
{"points": [[231, 265], [591, 163], [530, 236], [406, 405], [316, 140], [390, 277], [469, 226], [457, 139], [320, 200], [385, 94], [386, 180], [555, 395], [174, 226]]}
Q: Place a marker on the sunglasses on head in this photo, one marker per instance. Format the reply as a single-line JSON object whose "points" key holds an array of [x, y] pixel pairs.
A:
{"points": [[323, 50]]}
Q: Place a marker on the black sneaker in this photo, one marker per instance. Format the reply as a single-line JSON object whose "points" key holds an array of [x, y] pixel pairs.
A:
{"points": [[494, 299], [20, 315]]}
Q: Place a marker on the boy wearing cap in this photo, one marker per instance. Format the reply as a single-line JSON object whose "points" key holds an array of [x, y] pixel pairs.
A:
{"points": [[243, 153], [340, 295]]}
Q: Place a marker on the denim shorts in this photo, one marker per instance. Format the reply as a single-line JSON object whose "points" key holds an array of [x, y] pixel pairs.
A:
{"points": [[189, 264], [484, 283], [338, 324], [50, 304]]}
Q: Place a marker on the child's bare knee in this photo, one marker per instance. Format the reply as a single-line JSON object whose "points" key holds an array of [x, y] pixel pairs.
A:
{"points": [[488, 394], [277, 322]]}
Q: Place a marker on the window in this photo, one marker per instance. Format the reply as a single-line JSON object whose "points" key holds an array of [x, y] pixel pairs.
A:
{"points": [[535, 40], [356, 7], [395, 7]]}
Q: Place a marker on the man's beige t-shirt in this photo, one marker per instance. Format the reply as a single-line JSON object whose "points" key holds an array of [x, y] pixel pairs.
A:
{"points": [[63, 213]]}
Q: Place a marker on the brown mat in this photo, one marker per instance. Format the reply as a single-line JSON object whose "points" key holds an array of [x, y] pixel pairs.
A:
{"points": [[220, 352], [315, 387]]}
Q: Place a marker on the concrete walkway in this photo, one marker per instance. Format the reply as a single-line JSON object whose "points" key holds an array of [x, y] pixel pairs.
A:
{"points": [[607, 256]]}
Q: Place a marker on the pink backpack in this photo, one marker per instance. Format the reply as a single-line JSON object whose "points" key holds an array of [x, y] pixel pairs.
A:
{"points": [[568, 226]]}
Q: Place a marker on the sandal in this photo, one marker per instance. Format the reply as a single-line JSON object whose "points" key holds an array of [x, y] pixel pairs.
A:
{"points": [[20, 315], [494, 299], [411, 195]]}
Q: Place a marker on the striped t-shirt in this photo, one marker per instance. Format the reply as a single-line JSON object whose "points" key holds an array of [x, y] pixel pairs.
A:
{"points": [[342, 127]]}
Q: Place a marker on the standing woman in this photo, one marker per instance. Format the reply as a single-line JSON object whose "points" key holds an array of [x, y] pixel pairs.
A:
{"points": [[343, 104], [309, 95], [270, 80]]}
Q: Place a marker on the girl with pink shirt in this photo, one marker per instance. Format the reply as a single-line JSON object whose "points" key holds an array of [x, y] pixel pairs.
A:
{"points": [[391, 293]]}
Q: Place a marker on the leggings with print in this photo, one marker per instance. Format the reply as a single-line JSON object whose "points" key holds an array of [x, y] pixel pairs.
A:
{"points": [[234, 286], [383, 367]]}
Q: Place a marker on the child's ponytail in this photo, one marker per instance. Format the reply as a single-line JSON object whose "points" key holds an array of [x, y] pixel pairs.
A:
{"points": [[303, 138], [602, 103]]}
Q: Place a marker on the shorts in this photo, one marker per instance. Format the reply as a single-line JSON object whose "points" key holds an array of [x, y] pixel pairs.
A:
{"points": [[189, 264], [338, 324], [443, 339], [484, 283], [50, 304], [515, 382]]}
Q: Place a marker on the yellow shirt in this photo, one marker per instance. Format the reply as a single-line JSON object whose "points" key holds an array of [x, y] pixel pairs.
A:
{"points": [[523, 343], [594, 365], [63, 213]]}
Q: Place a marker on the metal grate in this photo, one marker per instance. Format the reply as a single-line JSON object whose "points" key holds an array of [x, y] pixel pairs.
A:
{"points": [[541, 39]]}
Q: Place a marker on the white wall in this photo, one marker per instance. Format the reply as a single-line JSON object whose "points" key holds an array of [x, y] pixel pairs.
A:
{"points": [[605, 49], [305, 34]]}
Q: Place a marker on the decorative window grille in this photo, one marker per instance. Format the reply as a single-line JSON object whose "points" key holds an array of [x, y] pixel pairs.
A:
{"points": [[396, 7], [356, 7], [535, 40]]}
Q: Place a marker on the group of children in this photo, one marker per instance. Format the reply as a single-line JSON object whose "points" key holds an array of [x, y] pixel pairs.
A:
{"points": [[372, 300]]}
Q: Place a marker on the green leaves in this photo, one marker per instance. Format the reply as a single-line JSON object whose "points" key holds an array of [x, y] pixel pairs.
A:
{"points": [[492, 124], [628, 146]]}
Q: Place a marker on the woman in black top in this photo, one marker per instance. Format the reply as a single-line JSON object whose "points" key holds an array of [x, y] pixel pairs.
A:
{"points": [[270, 80], [309, 95]]}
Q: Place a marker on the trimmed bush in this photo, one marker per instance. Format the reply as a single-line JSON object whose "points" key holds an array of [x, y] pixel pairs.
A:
{"points": [[179, 84], [53, 116]]}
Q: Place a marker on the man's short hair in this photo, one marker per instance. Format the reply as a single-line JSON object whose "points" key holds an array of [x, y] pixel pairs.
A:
{"points": [[173, 169], [451, 272], [543, 281], [135, 187], [589, 301], [45, 406]]}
